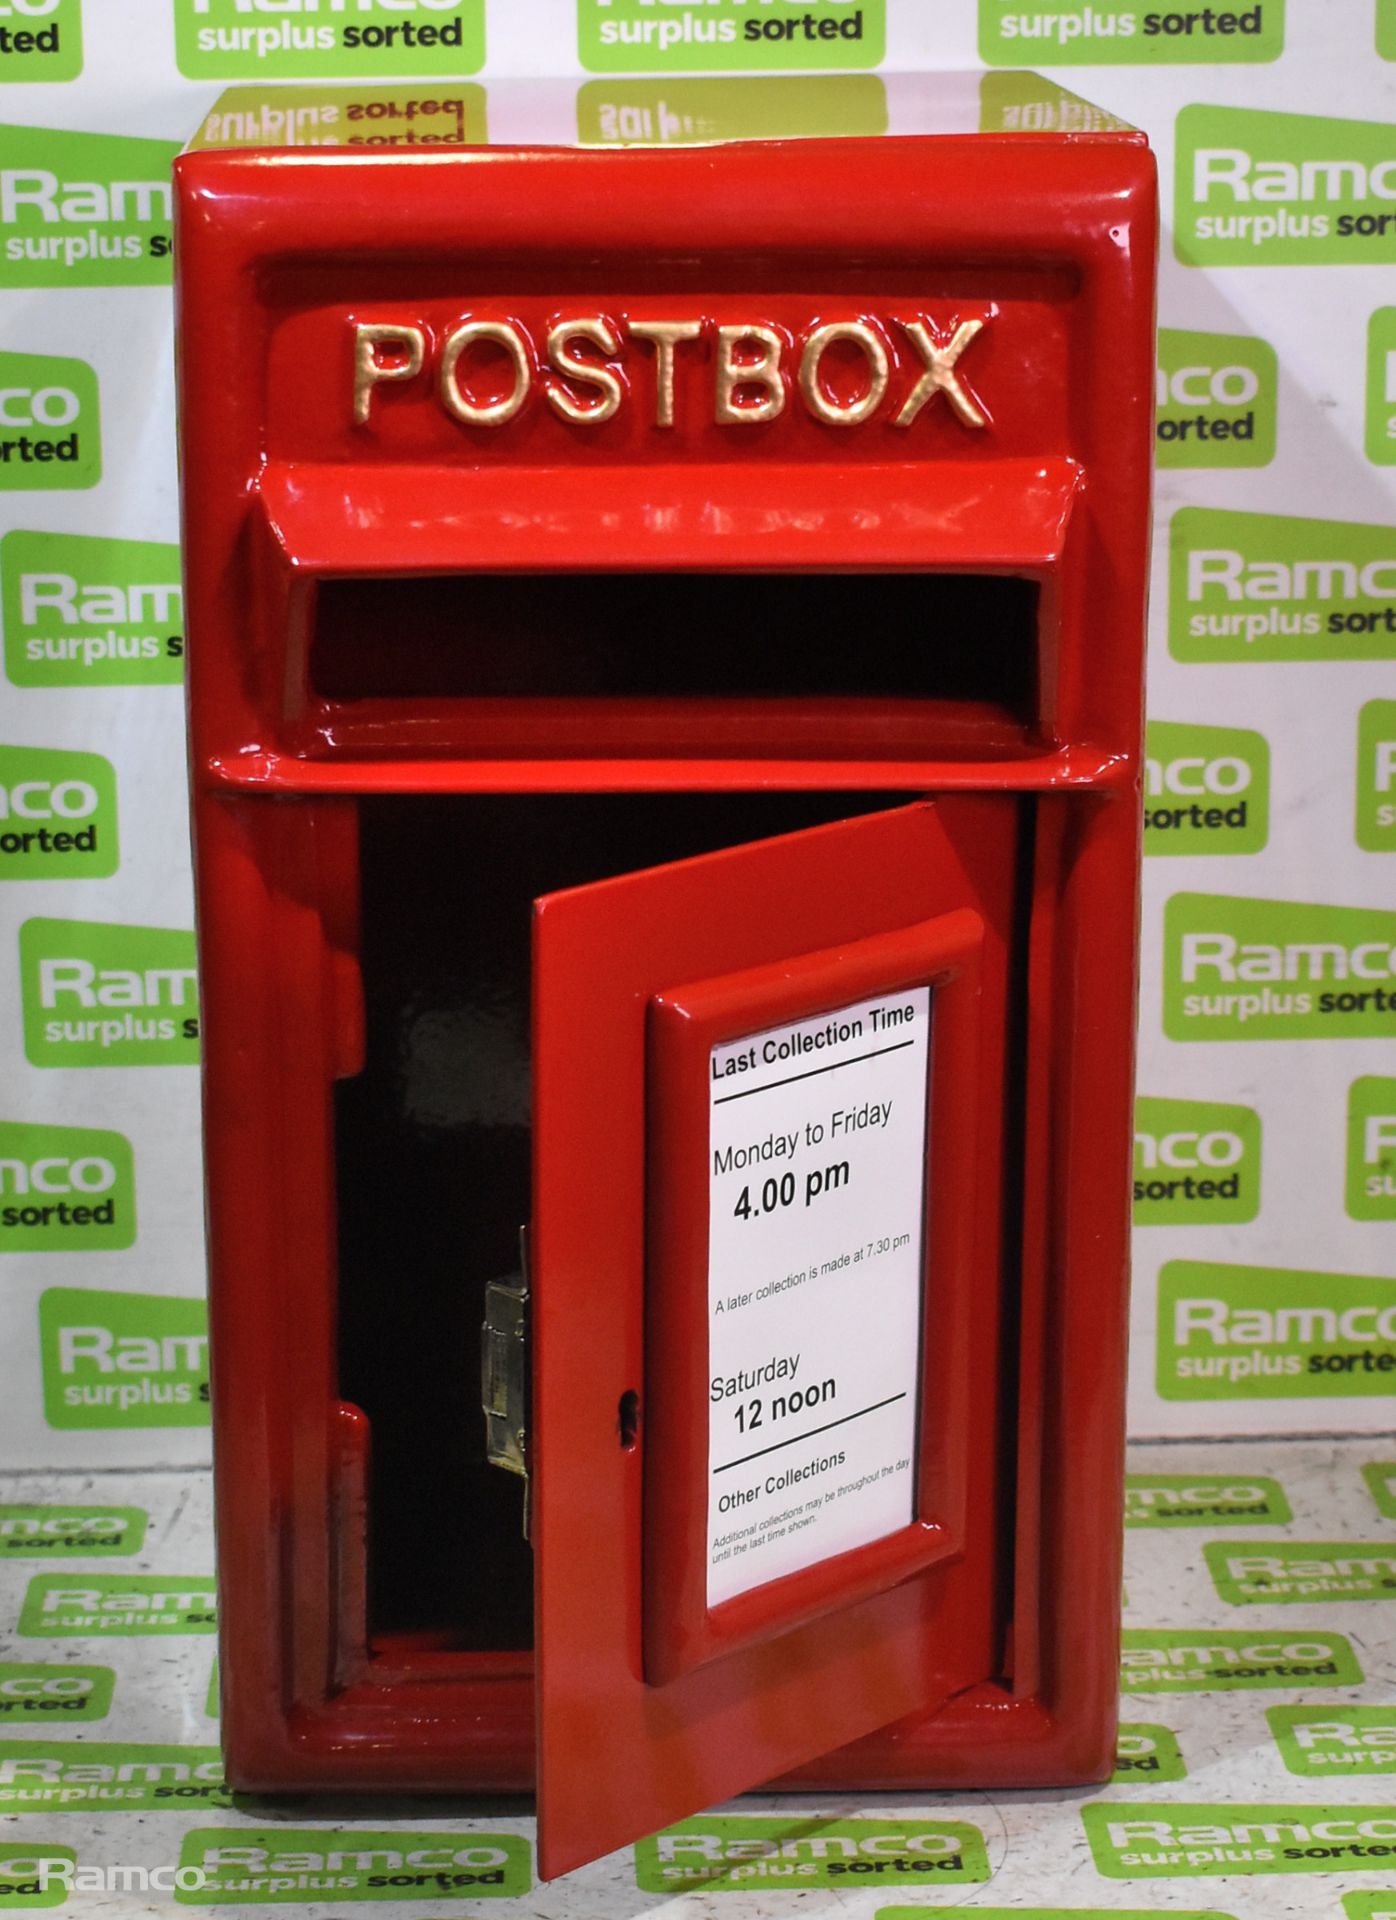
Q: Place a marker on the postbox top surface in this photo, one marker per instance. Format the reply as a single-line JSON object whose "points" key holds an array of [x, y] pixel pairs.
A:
{"points": [[648, 111]]}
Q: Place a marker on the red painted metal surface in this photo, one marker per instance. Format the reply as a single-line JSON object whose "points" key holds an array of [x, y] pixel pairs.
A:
{"points": [[377, 802]]}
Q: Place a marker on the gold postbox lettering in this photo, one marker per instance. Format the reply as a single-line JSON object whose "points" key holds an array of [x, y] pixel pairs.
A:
{"points": [[755, 373]]}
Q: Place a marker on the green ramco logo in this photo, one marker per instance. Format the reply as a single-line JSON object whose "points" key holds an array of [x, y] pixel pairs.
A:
{"points": [[1206, 790], [1380, 1476], [57, 815], [639, 36], [1216, 399], [1097, 33], [329, 39], [1147, 1753], [50, 436], [1242, 1333], [1371, 1144], [41, 1776], [1298, 1573], [84, 209], [95, 1605], [1282, 189], [742, 1853], [126, 1360], [1370, 1906], [1241, 969], [1196, 1162], [40, 40], [32, 1875], [1263, 587], [319, 116], [33, 1695], [108, 996], [1194, 1500], [1226, 1660], [1376, 777], [1335, 1742], [65, 1189], [65, 1533], [80, 611], [241, 1866], [1381, 388], [1148, 1842]]}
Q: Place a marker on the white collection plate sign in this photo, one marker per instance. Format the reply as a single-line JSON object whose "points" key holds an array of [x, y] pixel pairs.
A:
{"points": [[816, 1259]]}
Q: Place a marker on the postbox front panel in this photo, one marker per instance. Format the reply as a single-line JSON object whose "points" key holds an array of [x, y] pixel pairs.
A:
{"points": [[665, 731]]}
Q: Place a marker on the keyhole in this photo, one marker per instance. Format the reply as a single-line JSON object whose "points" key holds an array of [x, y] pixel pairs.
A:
{"points": [[629, 1419]]}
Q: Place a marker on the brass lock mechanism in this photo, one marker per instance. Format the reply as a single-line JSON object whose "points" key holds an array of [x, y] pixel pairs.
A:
{"points": [[504, 1373]]}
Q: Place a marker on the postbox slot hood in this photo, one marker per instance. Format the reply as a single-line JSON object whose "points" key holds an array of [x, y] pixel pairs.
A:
{"points": [[1008, 516]]}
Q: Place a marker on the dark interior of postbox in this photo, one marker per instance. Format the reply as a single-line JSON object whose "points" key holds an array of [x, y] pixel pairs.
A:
{"points": [[919, 640], [432, 1143]]}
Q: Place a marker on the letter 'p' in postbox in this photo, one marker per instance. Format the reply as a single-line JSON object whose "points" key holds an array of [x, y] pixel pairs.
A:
{"points": [[666, 637]]}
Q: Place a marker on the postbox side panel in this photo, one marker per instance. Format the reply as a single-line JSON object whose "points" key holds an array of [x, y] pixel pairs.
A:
{"points": [[601, 954]]}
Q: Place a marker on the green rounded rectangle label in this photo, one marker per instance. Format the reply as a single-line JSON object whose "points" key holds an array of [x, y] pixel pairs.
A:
{"points": [[1335, 1741], [97, 1606], [1029, 103], [1230, 1660], [244, 1866], [40, 40], [1206, 789], [398, 117], [327, 39], [70, 1533], [57, 815], [65, 1189], [1273, 1333], [96, 995], [1376, 777], [1370, 1906], [1216, 398], [123, 1360], [1196, 1163], [1301, 1572], [1096, 33], [35, 1695], [1371, 1148], [85, 612], [744, 1853], [1380, 436], [1146, 1752], [1380, 1476], [59, 1776], [84, 209], [1258, 189], [34, 1874], [675, 112], [1243, 969], [729, 36], [1267, 586], [1161, 1840], [50, 424], [1202, 1500]]}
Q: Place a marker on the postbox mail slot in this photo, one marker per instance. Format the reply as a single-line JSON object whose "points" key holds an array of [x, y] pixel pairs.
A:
{"points": [[882, 639], [919, 627]]}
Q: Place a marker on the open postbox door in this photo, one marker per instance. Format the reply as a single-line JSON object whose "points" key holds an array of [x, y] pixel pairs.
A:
{"points": [[763, 1256]]}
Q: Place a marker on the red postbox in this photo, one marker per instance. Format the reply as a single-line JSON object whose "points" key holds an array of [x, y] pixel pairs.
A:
{"points": [[666, 637]]}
